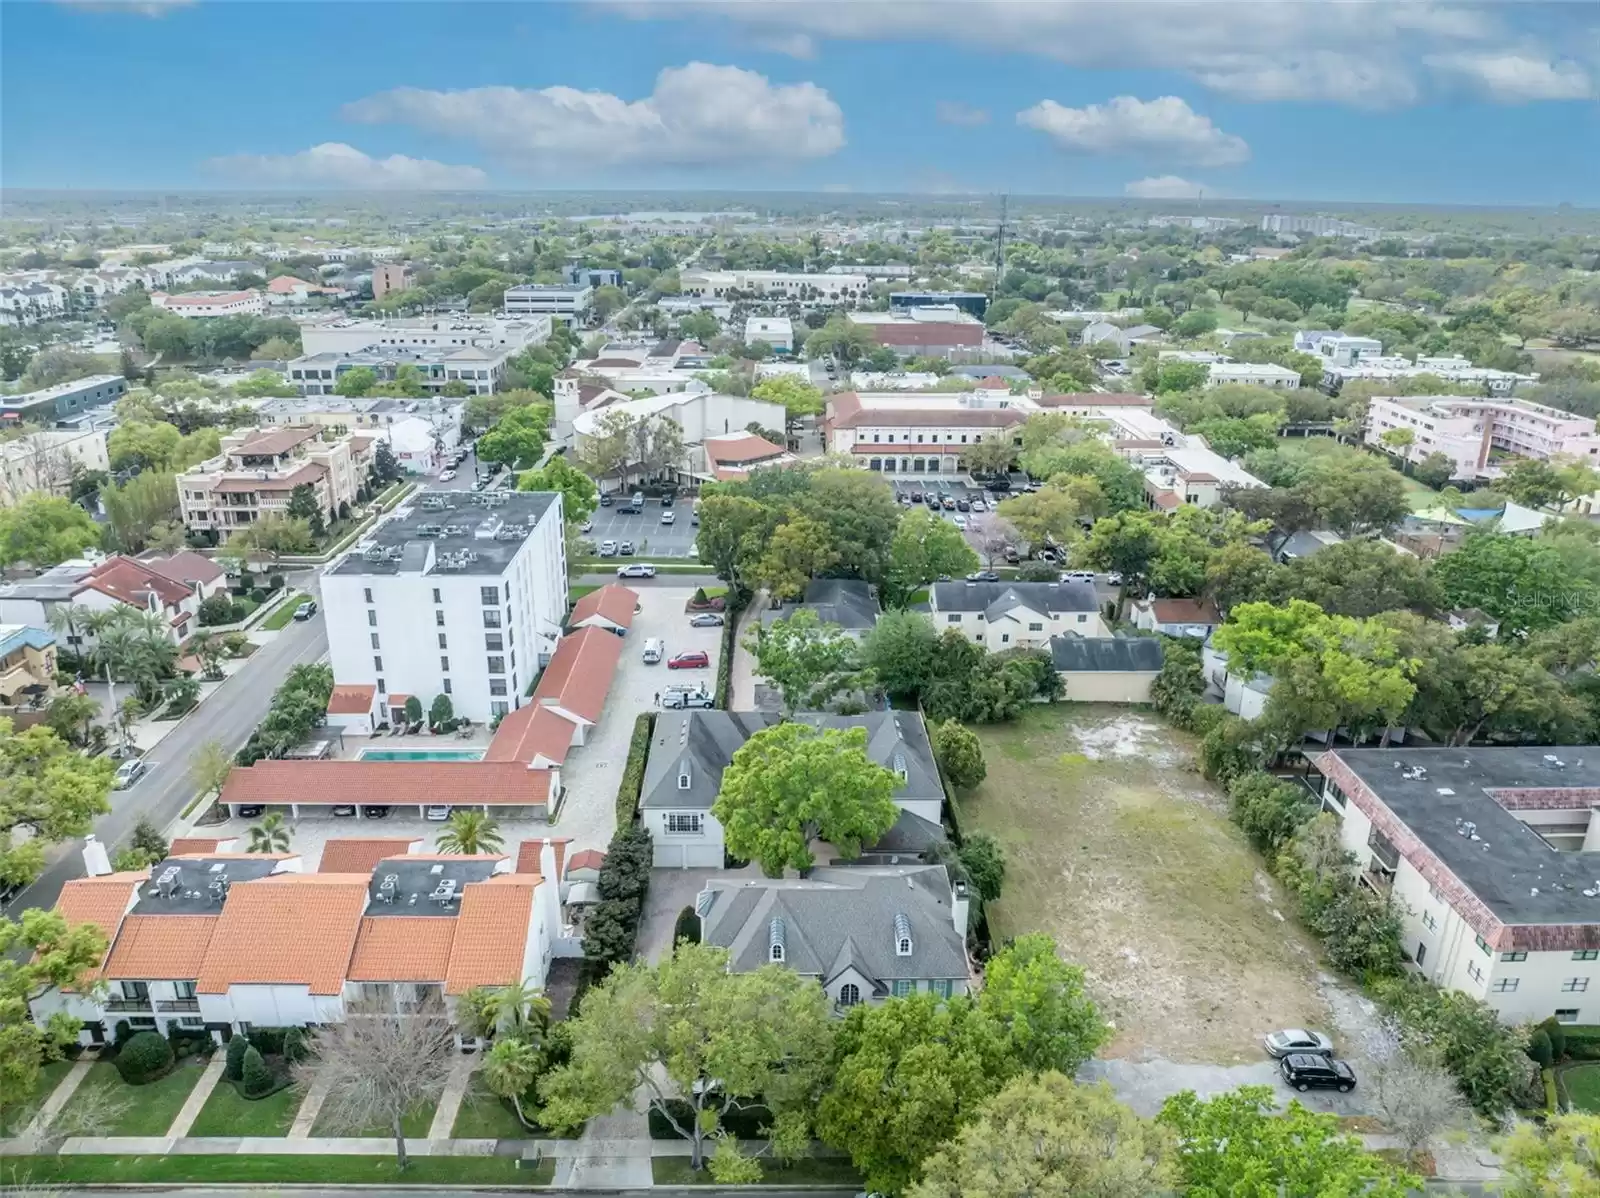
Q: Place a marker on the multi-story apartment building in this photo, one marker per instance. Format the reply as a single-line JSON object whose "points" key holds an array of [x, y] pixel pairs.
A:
{"points": [[389, 276], [1253, 374], [791, 286], [1454, 369], [347, 335], [1318, 226], [924, 332], [201, 305], [1490, 857], [1469, 430], [48, 460], [258, 470], [458, 593], [27, 663], [1015, 615], [26, 303], [64, 400], [481, 370], [568, 303]]}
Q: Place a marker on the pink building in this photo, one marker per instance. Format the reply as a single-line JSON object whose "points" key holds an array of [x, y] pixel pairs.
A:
{"points": [[1467, 429]]}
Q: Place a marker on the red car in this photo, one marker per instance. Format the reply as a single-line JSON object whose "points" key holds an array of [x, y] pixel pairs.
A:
{"points": [[688, 661]]}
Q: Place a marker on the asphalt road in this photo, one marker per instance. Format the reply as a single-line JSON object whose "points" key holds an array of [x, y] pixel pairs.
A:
{"points": [[228, 716]]}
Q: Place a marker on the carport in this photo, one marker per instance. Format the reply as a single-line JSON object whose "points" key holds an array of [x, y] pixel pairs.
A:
{"points": [[509, 788]]}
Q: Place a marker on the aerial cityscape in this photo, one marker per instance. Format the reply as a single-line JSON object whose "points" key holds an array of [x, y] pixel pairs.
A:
{"points": [[938, 599]]}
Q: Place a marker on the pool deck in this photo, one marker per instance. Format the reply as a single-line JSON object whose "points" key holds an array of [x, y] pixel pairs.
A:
{"points": [[420, 755]]}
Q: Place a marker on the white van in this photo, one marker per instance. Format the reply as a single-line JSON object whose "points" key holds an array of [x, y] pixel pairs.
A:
{"points": [[653, 649]]}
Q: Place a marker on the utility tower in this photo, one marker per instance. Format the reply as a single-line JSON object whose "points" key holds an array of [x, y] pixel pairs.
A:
{"points": [[1000, 247]]}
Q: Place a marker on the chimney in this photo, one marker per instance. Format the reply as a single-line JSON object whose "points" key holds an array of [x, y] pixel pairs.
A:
{"points": [[95, 862], [959, 905]]}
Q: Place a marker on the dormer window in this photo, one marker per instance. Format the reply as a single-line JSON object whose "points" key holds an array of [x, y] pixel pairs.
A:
{"points": [[902, 935], [776, 942], [683, 778]]}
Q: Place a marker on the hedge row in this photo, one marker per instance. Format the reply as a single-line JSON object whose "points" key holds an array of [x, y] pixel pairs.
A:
{"points": [[633, 774], [733, 606], [612, 926]]}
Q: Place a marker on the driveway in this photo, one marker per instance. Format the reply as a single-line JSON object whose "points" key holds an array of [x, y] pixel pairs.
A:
{"points": [[671, 890], [594, 771]]}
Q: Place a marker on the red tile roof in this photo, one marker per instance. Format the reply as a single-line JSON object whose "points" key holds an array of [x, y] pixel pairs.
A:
{"points": [[845, 410], [402, 948], [580, 672], [613, 601], [359, 855], [491, 932], [161, 947], [287, 930], [281, 440], [248, 482], [204, 298], [732, 451], [352, 698], [530, 731], [1167, 499], [406, 783], [529, 853], [132, 581], [101, 901], [1185, 611], [186, 567], [588, 859], [194, 846], [993, 383]]}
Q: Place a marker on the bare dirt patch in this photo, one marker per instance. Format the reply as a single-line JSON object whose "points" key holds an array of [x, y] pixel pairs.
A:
{"points": [[1117, 848]]}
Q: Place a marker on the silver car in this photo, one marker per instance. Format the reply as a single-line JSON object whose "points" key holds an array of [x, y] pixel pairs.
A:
{"points": [[1296, 1039]]}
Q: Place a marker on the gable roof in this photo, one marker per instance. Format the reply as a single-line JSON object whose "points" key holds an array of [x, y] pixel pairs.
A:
{"points": [[491, 933], [101, 901], [286, 930], [839, 919], [851, 603], [1183, 611], [531, 731], [529, 852], [613, 602], [996, 598], [162, 947], [276, 441], [360, 855], [402, 948], [194, 846], [845, 410], [1072, 654], [389, 783], [132, 582], [352, 698], [739, 448], [580, 672], [187, 567]]}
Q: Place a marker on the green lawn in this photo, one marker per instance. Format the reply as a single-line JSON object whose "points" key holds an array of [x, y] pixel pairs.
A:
{"points": [[1582, 1084], [815, 1170], [18, 1115], [150, 1109], [280, 618], [227, 1113], [274, 1170], [414, 1126], [576, 593], [1418, 496], [484, 1117]]}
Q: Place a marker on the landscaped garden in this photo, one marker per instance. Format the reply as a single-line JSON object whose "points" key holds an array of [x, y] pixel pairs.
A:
{"points": [[229, 1113], [485, 1116], [16, 1117], [414, 1126], [280, 619], [135, 1110], [1582, 1086], [807, 1171]]}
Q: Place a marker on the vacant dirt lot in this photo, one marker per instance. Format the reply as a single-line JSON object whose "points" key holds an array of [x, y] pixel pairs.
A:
{"points": [[1119, 849]]}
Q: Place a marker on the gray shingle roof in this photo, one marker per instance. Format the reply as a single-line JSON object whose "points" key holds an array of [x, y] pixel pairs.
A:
{"points": [[850, 603], [839, 919], [988, 597], [699, 745], [1120, 654]]}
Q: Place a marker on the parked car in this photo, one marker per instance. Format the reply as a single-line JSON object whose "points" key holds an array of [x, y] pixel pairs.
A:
{"points": [[979, 505], [446, 476], [1114, 578], [587, 526], [1078, 576], [903, 499], [345, 810], [961, 523], [963, 506], [669, 517], [1012, 556], [636, 570], [438, 813], [682, 699], [949, 502], [916, 497], [1297, 1039], [605, 500], [130, 772], [668, 498], [251, 811], [705, 619], [608, 549], [695, 660], [1310, 1070], [625, 548], [983, 576], [998, 484], [306, 610], [375, 811]]}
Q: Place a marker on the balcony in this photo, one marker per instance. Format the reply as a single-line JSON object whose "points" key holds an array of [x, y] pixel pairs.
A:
{"points": [[178, 1005], [125, 1005], [1384, 855]]}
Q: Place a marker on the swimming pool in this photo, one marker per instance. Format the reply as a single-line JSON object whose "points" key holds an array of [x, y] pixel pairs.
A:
{"points": [[420, 755]]}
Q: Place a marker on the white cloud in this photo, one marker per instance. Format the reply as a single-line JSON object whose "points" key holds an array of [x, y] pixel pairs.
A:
{"points": [[1165, 129], [954, 112], [334, 164], [698, 115], [1363, 53], [1516, 78], [1166, 187], [795, 45]]}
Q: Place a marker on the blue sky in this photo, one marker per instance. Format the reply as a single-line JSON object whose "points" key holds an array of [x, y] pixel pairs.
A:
{"points": [[1397, 100]]}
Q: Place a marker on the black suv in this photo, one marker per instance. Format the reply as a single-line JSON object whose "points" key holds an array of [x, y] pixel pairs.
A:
{"points": [[1306, 1071]]}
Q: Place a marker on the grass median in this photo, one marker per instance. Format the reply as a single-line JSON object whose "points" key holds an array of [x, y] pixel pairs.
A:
{"points": [[279, 619], [275, 1169]]}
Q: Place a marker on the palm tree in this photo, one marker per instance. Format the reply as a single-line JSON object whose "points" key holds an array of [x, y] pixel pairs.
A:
{"points": [[70, 620], [519, 1010], [128, 713], [511, 1067], [270, 836], [208, 649], [470, 832]]}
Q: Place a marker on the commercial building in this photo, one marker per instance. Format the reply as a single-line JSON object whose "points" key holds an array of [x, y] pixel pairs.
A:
{"points": [[1452, 369], [287, 291], [48, 460], [63, 401], [890, 270], [345, 335], [773, 331], [591, 276], [1470, 432], [973, 303], [1015, 615], [389, 277], [1253, 374], [458, 593], [793, 286], [924, 332], [1490, 857], [1318, 226], [202, 305], [567, 303], [258, 469], [699, 415]]}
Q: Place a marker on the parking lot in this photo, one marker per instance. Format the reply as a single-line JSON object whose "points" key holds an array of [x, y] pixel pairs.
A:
{"points": [[650, 537]]}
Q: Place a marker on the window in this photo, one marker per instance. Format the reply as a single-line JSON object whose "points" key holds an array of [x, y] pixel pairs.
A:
{"points": [[438, 618], [850, 995], [953, 618], [1005, 638], [183, 989], [372, 618], [1483, 944], [1504, 985], [1422, 952], [1035, 627], [497, 686], [382, 690], [901, 987], [377, 663], [489, 596], [368, 591], [447, 686], [491, 618], [1574, 985], [375, 640], [436, 597], [777, 953], [493, 642], [497, 665], [941, 986], [1474, 972], [499, 708], [443, 642], [1586, 954], [444, 664], [1566, 1014], [1516, 956], [684, 823], [191, 1021], [1429, 922]]}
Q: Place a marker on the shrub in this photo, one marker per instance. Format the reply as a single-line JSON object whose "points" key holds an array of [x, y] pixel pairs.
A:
{"points": [[1268, 811], [233, 1062], [186, 1041], [258, 1081], [218, 609], [1539, 1049], [295, 1047], [613, 924], [269, 1040], [121, 1034], [258, 596], [145, 1057], [687, 927], [633, 773], [960, 754], [1557, 1036]]}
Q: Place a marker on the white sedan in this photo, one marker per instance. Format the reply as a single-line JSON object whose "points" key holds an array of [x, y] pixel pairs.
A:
{"points": [[668, 518], [447, 476]]}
